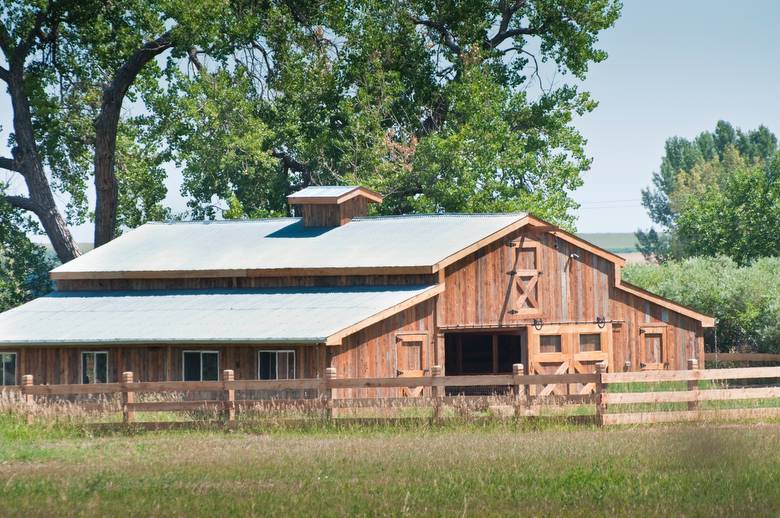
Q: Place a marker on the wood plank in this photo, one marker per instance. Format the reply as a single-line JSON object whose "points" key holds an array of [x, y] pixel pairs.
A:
{"points": [[175, 406], [685, 375], [618, 398], [59, 390], [690, 415], [742, 357]]}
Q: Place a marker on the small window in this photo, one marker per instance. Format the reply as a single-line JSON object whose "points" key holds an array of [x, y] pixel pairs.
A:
{"points": [[275, 365], [550, 344], [94, 367], [201, 365], [590, 342], [8, 374]]}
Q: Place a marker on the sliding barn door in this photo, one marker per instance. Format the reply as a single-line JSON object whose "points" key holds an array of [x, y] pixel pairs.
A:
{"points": [[568, 349]]}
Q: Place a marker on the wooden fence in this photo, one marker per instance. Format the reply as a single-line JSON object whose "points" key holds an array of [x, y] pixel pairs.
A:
{"points": [[743, 359], [610, 403]]}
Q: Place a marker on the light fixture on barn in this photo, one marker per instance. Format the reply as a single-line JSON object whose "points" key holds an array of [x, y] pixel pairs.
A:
{"points": [[601, 322], [538, 324]]}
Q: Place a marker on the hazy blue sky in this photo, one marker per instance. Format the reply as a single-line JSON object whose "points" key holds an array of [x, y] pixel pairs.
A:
{"points": [[674, 68]]}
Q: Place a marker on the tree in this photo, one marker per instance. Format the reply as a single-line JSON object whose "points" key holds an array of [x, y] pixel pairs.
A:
{"points": [[438, 105], [24, 266], [699, 173], [69, 66]]}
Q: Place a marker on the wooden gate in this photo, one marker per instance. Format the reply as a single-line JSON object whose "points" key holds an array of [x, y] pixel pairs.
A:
{"points": [[409, 357], [568, 349]]}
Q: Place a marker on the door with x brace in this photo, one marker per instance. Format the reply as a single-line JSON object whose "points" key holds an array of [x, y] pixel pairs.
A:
{"points": [[524, 283]]}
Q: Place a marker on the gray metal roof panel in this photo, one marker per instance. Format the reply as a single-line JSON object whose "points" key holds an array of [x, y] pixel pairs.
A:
{"points": [[323, 191], [373, 242], [300, 315]]}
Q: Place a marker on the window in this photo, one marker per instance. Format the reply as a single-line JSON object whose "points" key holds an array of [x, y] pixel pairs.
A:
{"points": [[550, 344], [590, 342], [201, 365], [94, 367], [275, 365], [8, 374]]}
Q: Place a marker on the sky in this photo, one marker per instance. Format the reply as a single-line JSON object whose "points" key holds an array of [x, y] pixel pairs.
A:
{"points": [[674, 69]]}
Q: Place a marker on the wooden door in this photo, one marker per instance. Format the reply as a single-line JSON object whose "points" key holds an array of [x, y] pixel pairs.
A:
{"points": [[653, 347], [409, 359], [568, 349]]}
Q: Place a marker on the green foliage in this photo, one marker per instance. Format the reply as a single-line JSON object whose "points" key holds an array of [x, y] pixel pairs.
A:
{"points": [[714, 195], [429, 103], [744, 299], [24, 266]]}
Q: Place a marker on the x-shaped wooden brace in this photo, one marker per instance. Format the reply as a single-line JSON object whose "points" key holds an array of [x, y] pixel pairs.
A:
{"points": [[526, 282]]}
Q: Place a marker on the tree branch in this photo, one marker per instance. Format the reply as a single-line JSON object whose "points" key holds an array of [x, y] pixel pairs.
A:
{"points": [[10, 164], [21, 202], [445, 34], [5, 74]]}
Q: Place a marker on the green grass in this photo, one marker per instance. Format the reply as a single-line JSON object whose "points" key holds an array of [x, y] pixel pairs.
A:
{"points": [[464, 469]]}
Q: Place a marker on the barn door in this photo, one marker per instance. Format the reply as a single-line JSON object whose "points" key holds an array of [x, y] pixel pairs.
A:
{"points": [[568, 349], [653, 353], [409, 358]]}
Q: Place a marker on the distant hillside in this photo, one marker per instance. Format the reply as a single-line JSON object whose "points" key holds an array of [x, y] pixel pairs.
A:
{"points": [[619, 242]]}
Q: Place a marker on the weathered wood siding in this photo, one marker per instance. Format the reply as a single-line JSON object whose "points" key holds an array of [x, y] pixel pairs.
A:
{"points": [[370, 353], [51, 365], [244, 282], [571, 288]]}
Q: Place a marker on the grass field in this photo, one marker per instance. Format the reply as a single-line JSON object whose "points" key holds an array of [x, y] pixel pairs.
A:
{"points": [[464, 470]]}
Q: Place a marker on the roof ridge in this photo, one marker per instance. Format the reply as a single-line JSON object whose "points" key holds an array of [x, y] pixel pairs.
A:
{"points": [[361, 218]]}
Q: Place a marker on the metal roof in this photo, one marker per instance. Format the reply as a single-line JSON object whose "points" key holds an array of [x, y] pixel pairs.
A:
{"points": [[284, 243], [301, 315], [324, 191]]}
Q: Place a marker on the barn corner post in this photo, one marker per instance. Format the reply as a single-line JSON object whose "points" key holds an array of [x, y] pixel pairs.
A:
{"points": [[601, 402], [436, 392], [228, 377], [29, 399], [518, 389], [693, 385], [128, 398]]}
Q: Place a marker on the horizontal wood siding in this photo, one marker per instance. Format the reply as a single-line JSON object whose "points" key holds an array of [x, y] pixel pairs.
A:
{"points": [[370, 353]]}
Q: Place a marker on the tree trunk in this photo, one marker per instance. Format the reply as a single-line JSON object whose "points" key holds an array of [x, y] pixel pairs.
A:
{"points": [[41, 199], [106, 126]]}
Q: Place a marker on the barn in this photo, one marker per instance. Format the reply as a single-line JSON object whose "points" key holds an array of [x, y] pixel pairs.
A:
{"points": [[379, 296]]}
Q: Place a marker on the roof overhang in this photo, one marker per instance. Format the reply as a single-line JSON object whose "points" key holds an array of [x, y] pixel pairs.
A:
{"points": [[302, 316], [373, 196]]}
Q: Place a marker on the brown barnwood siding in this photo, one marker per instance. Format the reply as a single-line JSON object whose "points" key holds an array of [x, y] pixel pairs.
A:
{"points": [[370, 353], [50, 365], [479, 291], [245, 282], [353, 208]]}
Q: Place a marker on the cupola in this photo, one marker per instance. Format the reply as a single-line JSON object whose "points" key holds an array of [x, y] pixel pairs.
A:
{"points": [[332, 205]]}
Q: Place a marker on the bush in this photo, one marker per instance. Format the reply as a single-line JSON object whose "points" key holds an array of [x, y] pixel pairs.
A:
{"points": [[745, 300]]}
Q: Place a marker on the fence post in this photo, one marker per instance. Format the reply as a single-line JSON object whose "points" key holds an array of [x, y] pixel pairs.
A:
{"points": [[128, 398], [230, 395], [29, 399], [518, 389], [330, 375], [601, 405], [437, 392], [693, 364]]}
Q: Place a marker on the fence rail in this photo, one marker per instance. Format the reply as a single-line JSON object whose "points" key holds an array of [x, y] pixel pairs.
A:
{"points": [[609, 396], [744, 358]]}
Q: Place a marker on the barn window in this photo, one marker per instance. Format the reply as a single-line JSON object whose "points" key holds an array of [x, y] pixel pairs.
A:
{"points": [[590, 342], [201, 365], [550, 344], [275, 365], [8, 374], [94, 367]]}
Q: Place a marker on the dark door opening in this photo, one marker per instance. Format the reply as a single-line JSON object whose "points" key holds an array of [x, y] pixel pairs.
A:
{"points": [[478, 353]]}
